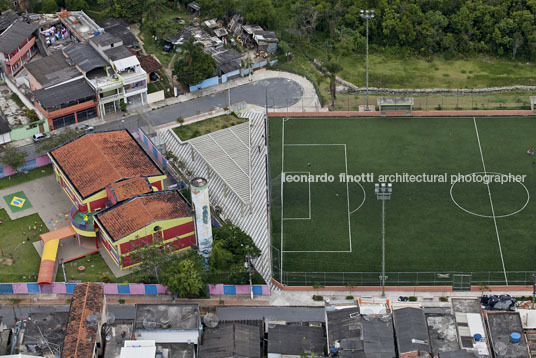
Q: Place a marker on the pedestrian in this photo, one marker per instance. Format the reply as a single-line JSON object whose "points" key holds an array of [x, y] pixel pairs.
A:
{"points": [[309, 165]]}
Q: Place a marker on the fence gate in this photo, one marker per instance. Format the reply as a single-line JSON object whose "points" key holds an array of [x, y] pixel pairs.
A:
{"points": [[461, 282]]}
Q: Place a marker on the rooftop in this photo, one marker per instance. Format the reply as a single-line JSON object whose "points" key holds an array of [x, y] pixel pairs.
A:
{"points": [[459, 353], [442, 332], [501, 325], [167, 316], [113, 155], [119, 28], [231, 340], [4, 125], [52, 70], [85, 56], [6, 19], [118, 53], [149, 63], [227, 152], [378, 337], [343, 324], [176, 350], [14, 35], [119, 332], [127, 188], [87, 300], [410, 325], [469, 322], [271, 314], [296, 340], [81, 25], [64, 93], [106, 39], [51, 326]]}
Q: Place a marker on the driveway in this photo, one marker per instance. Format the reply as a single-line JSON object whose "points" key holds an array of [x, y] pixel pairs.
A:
{"points": [[47, 199]]}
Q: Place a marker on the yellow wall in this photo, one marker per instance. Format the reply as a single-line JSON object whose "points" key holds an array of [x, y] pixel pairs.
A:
{"points": [[148, 230]]}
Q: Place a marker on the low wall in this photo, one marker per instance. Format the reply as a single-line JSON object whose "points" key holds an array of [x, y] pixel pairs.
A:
{"points": [[221, 289], [475, 113], [30, 164], [62, 287], [155, 97]]}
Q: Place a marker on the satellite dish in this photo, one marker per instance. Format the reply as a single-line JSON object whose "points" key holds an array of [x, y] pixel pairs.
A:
{"points": [[149, 324], [110, 318], [92, 320], [211, 320]]}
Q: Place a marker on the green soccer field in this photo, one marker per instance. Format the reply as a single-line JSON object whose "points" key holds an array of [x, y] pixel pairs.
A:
{"points": [[461, 233]]}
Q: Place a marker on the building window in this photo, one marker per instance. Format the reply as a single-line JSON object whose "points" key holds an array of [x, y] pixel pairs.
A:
{"points": [[61, 122], [86, 114]]}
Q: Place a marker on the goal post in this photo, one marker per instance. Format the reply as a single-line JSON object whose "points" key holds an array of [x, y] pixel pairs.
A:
{"points": [[386, 104]]}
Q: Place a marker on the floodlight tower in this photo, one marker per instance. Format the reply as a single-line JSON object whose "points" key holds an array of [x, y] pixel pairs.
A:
{"points": [[367, 15], [383, 192]]}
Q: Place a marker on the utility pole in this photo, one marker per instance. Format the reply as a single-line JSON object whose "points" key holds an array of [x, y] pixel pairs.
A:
{"points": [[383, 193], [367, 15], [247, 264]]}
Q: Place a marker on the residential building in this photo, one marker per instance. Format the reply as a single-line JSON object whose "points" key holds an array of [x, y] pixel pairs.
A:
{"points": [[120, 28], [469, 322], [168, 323], [86, 315], [293, 341], [506, 334], [232, 340], [227, 60], [17, 46], [412, 338], [51, 71], [6, 19], [100, 75], [315, 316], [126, 66], [442, 331], [162, 217], [262, 40], [87, 165], [42, 334], [80, 25], [150, 65], [117, 333]]}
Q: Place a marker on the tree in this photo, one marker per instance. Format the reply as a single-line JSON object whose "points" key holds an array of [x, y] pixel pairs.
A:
{"points": [[195, 65], [185, 279], [57, 139], [13, 156], [76, 4], [31, 114], [180, 120], [130, 10], [331, 69], [259, 12], [49, 6]]}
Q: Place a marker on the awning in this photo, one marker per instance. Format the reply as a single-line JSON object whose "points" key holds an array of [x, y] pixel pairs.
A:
{"points": [[124, 63]]}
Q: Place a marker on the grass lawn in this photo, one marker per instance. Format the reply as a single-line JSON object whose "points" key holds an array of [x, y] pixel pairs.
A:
{"points": [[19, 178], [95, 268], [189, 131], [12, 233], [335, 227], [162, 84]]}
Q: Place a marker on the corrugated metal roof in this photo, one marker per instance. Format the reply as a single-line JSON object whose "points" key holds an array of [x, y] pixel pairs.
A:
{"points": [[14, 35], [410, 324]]}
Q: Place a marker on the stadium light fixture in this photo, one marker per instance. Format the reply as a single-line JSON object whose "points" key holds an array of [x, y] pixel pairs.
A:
{"points": [[367, 15], [383, 192]]}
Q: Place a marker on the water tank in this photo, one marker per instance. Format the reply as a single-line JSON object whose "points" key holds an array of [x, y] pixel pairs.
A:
{"points": [[477, 337], [515, 337]]}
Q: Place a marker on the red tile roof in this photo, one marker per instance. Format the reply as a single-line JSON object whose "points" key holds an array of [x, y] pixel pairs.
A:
{"points": [[95, 160], [149, 63], [124, 189], [124, 219], [79, 341]]}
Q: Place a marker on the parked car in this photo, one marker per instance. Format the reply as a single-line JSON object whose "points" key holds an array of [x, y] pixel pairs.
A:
{"points": [[168, 46], [84, 127], [40, 136]]}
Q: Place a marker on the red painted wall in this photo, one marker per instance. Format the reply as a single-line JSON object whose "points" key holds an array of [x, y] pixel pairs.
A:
{"points": [[97, 204], [132, 245], [179, 230]]}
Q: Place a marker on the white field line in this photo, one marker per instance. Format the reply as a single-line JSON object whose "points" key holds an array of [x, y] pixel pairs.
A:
{"points": [[491, 203], [309, 184], [282, 206], [347, 198]]}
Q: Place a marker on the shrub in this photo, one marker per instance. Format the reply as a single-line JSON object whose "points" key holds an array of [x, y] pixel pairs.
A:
{"points": [[464, 71], [349, 297], [318, 298], [439, 107], [412, 298], [121, 301], [105, 278], [317, 285], [443, 299], [123, 106]]}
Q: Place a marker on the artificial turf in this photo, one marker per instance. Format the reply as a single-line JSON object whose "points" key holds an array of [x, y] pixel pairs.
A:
{"points": [[425, 230]]}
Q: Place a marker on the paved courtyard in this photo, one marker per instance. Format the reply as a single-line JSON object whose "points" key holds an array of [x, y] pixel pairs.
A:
{"points": [[47, 199]]}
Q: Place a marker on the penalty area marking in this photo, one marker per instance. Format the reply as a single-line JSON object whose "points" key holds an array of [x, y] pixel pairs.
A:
{"points": [[309, 184]]}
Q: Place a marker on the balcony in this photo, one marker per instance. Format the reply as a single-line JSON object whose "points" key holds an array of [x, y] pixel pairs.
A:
{"points": [[82, 222], [133, 76]]}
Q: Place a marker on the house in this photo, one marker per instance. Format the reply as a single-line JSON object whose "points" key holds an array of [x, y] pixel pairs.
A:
{"points": [[100, 75], [161, 217], [81, 26], [315, 316], [232, 340], [89, 166], [119, 28], [506, 334], [227, 61], [266, 41], [66, 104], [168, 323], [87, 313], [194, 8], [50, 71], [50, 326], [412, 338], [469, 322], [150, 65], [442, 331], [292, 341], [6, 19], [17, 46], [117, 333], [378, 340], [126, 66]]}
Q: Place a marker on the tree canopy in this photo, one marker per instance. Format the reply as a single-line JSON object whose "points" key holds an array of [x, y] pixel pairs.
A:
{"points": [[13, 156], [194, 65]]}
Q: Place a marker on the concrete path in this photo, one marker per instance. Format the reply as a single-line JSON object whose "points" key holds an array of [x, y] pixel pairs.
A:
{"points": [[47, 199]]}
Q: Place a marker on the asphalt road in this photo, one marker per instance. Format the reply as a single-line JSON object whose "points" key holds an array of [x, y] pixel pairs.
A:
{"points": [[7, 312]]}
